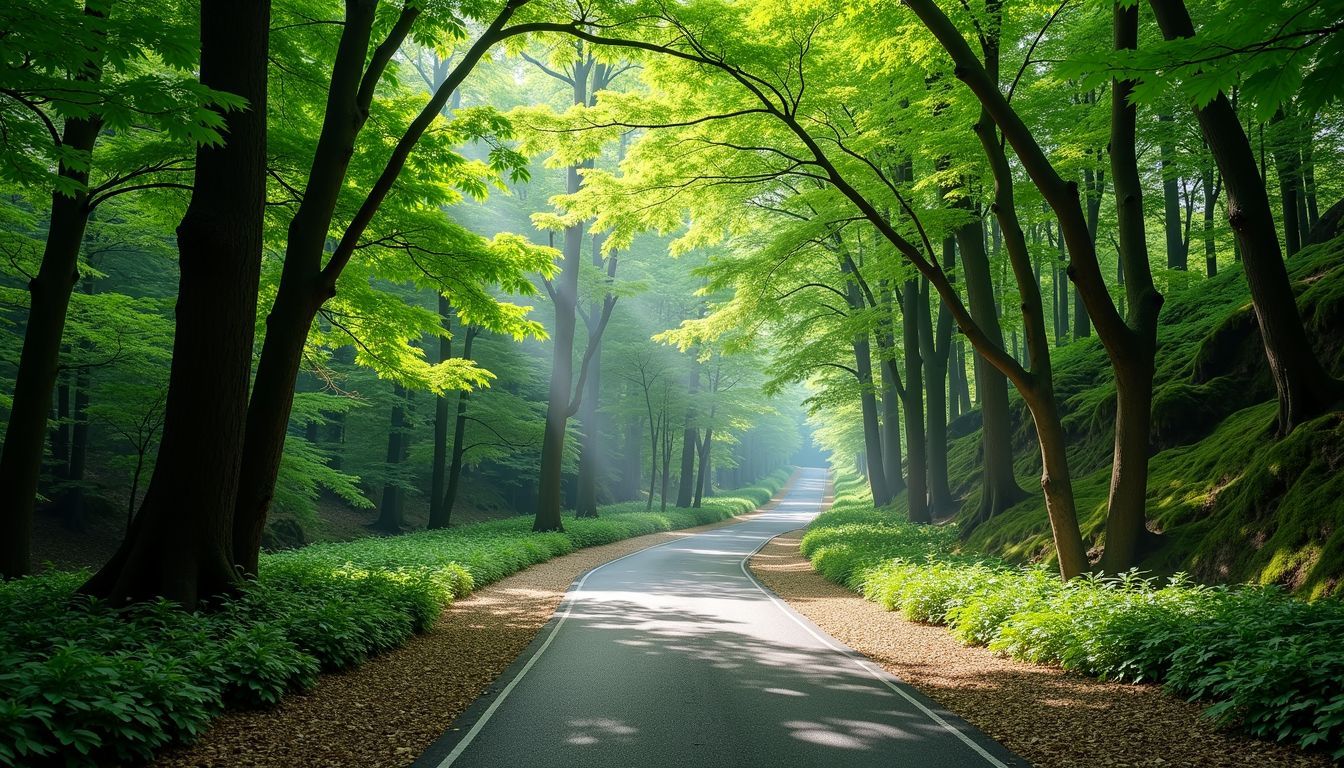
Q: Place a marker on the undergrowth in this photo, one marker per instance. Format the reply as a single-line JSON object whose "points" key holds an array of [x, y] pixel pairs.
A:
{"points": [[1260, 659], [81, 683]]}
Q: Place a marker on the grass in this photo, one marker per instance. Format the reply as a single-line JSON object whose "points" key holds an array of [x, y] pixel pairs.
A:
{"points": [[1262, 660], [82, 684], [1233, 503]]}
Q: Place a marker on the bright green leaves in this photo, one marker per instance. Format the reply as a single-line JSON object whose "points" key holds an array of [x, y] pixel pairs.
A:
{"points": [[129, 65]]}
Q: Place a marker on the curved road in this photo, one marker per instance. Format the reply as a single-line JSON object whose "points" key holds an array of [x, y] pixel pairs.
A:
{"points": [[676, 656]]}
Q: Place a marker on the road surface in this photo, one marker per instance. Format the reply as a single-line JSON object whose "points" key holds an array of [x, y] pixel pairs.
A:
{"points": [[675, 656]]}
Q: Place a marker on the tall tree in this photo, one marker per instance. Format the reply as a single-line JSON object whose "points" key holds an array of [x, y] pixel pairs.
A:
{"points": [[178, 546], [1305, 389]]}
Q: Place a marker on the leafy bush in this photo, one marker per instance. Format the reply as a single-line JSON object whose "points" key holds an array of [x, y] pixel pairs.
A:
{"points": [[81, 683], [1263, 661]]}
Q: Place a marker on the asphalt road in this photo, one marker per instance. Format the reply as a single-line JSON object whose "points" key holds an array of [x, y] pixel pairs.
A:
{"points": [[676, 656]]}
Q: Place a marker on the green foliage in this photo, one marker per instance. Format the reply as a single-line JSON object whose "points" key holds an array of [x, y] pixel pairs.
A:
{"points": [[89, 684], [1262, 660]]}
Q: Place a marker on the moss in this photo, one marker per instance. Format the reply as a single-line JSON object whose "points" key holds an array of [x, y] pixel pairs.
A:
{"points": [[1230, 501]]}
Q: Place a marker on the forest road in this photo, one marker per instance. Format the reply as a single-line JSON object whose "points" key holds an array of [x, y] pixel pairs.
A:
{"points": [[676, 656]]}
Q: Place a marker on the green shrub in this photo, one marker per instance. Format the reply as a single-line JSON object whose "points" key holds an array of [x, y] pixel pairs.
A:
{"points": [[1263, 661], [82, 684]]}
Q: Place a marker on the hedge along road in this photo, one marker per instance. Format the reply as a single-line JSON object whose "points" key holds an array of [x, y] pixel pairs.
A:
{"points": [[676, 656]]}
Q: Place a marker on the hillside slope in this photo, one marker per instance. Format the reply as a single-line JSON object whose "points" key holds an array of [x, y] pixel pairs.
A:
{"points": [[1230, 502]]}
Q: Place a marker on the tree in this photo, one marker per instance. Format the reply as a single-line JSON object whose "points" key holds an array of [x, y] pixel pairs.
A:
{"points": [[1304, 387], [147, 62], [178, 547]]}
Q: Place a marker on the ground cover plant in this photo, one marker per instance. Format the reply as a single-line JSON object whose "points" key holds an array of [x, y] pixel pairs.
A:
{"points": [[85, 683], [1262, 660]]}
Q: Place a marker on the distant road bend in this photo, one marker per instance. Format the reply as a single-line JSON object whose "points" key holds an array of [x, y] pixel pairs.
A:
{"points": [[676, 656]]}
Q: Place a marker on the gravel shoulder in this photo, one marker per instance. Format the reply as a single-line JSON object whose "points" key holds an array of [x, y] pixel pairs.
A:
{"points": [[1052, 718], [388, 710]]}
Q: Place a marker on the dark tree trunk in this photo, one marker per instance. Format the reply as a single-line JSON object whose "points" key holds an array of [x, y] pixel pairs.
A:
{"points": [[305, 284], [667, 462], [872, 430], [1178, 256], [72, 501], [689, 440], [963, 394], [60, 433], [1309, 172], [702, 481], [917, 480], [1001, 490], [39, 361], [390, 515], [1134, 365], [459, 446], [179, 544], [1304, 387], [891, 418], [439, 463], [935, 345], [1287, 165], [1209, 183]]}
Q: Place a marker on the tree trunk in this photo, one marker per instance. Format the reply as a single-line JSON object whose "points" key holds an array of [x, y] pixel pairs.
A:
{"points": [[1134, 363], [702, 481], [667, 462], [439, 463], [459, 447], [1001, 490], [689, 441], [1178, 256], [39, 361], [917, 485], [1286, 164], [73, 500], [1309, 172], [178, 547], [890, 425], [934, 345], [301, 291], [1210, 240], [390, 510], [1304, 387]]}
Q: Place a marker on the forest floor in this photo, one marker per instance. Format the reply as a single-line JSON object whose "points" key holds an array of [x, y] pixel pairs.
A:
{"points": [[387, 711], [1053, 718]]}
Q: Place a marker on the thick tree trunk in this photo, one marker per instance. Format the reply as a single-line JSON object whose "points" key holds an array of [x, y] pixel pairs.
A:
{"points": [[49, 299], [565, 296], [1132, 359], [301, 292], [1001, 490], [1304, 387], [179, 544]]}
